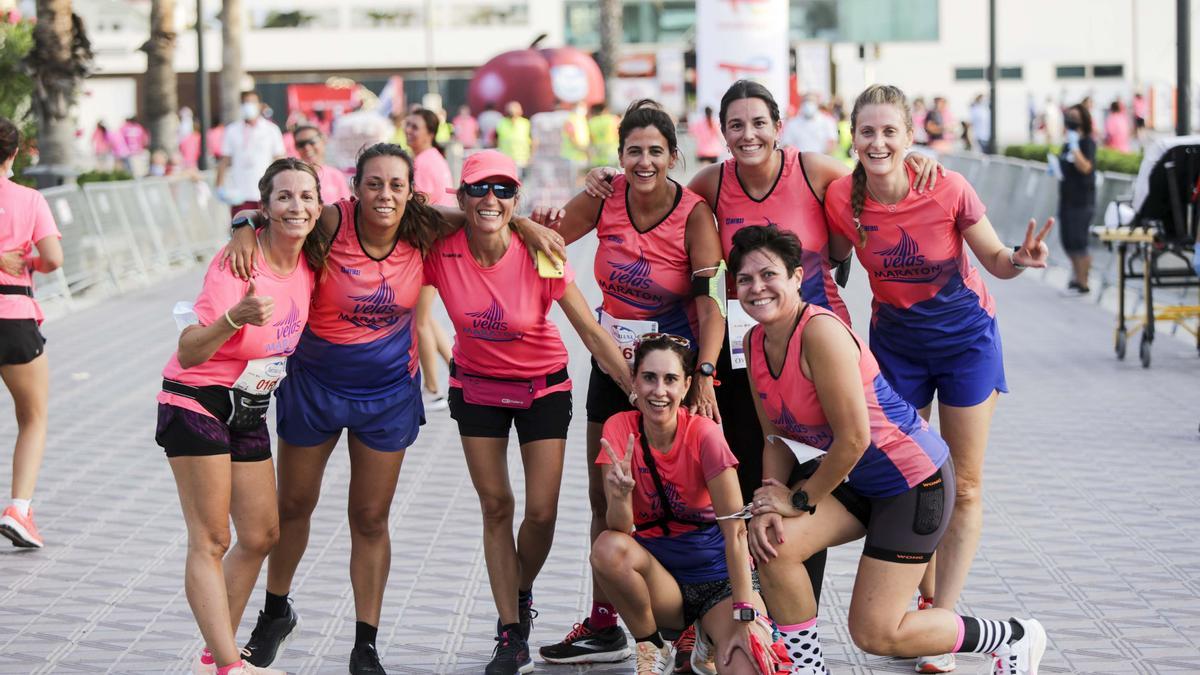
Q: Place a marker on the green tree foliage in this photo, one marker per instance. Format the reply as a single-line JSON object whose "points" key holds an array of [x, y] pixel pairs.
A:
{"points": [[1107, 159], [16, 40]]}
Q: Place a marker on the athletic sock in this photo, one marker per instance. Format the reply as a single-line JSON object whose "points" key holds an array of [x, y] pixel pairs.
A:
{"points": [[22, 506], [206, 657], [364, 634], [513, 629], [225, 670], [804, 647], [653, 638], [276, 606], [982, 636], [1018, 631], [604, 616]]}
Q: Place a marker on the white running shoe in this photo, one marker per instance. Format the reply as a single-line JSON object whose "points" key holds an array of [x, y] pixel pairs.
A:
{"points": [[702, 654], [248, 669], [942, 663], [1023, 656], [435, 402], [653, 660]]}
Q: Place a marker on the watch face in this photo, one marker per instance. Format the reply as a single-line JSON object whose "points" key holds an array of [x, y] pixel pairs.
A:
{"points": [[743, 614], [707, 368], [800, 500]]}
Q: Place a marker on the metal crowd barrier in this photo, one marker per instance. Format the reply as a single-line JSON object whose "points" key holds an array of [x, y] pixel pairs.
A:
{"points": [[121, 235], [1016, 190]]}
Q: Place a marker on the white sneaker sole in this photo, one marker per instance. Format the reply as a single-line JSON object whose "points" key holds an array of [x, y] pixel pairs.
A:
{"points": [[1038, 647], [597, 657], [20, 537]]}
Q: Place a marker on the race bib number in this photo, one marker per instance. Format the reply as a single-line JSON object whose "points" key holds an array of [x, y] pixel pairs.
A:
{"points": [[739, 323], [262, 376], [626, 332]]}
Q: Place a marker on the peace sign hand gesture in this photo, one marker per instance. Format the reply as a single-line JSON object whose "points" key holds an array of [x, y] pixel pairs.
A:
{"points": [[1033, 251], [619, 481]]}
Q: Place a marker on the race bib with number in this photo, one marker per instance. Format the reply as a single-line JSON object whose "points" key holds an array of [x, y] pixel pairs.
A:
{"points": [[739, 323], [626, 332], [262, 376]]}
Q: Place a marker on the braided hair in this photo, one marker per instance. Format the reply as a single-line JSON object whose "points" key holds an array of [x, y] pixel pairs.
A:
{"points": [[876, 94]]}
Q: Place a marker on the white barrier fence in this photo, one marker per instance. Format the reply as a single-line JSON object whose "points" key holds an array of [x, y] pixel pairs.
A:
{"points": [[121, 235]]}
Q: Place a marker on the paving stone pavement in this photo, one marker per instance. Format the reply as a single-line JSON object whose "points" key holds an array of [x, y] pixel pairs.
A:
{"points": [[1091, 498]]}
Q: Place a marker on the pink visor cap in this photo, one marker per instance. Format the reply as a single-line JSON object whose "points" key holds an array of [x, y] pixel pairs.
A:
{"points": [[489, 164]]}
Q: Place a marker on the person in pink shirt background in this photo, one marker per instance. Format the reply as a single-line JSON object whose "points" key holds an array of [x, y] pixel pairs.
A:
{"points": [[26, 225], [1117, 127], [510, 367], [707, 133], [136, 138], [212, 409], [466, 129], [310, 147], [431, 175]]}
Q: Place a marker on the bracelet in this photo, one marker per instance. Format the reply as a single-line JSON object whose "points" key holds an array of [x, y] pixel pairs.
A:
{"points": [[232, 325], [1012, 259], [742, 605]]}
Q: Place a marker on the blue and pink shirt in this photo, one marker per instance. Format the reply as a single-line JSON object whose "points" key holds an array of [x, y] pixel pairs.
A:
{"points": [[647, 275], [360, 341], [929, 298], [903, 451], [790, 205]]}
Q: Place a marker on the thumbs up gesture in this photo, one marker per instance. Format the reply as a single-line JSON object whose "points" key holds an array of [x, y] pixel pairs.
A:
{"points": [[252, 308]]}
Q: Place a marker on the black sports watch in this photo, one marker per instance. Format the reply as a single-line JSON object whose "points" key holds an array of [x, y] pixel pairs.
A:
{"points": [[706, 369], [241, 221], [744, 612], [800, 502]]}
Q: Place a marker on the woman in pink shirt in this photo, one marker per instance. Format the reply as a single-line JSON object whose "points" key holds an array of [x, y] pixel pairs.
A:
{"points": [[510, 368], [213, 404], [431, 175], [25, 224]]}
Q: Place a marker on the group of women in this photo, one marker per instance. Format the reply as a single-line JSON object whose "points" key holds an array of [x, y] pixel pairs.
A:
{"points": [[685, 488]]}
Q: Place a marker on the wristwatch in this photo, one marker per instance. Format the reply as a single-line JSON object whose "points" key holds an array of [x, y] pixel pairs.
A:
{"points": [[706, 369], [800, 502], [744, 612], [241, 221], [1012, 258]]}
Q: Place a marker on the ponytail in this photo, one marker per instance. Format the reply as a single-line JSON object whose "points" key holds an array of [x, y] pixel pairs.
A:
{"points": [[858, 197]]}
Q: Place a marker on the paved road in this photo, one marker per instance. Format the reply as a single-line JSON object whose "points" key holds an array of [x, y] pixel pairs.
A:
{"points": [[1090, 515]]}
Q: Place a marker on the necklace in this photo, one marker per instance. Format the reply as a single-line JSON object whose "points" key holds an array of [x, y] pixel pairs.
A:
{"points": [[890, 207]]}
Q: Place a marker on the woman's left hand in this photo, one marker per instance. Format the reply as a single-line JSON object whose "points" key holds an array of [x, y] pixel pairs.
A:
{"points": [[541, 238], [773, 497], [13, 262], [1033, 251], [740, 639], [927, 170], [703, 398]]}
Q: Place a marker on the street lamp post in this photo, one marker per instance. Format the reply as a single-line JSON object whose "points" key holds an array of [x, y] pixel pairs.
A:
{"points": [[993, 74], [201, 87], [1183, 68]]}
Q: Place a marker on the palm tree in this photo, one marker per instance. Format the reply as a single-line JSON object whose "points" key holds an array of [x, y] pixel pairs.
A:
{"points": [[160, 99], [610, 39], [233, 73], [60, 59]]}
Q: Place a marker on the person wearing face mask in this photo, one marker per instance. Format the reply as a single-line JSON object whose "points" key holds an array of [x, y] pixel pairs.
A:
{"points": [[310, 146], [1077, 195], [248, 146], [812, 130]]}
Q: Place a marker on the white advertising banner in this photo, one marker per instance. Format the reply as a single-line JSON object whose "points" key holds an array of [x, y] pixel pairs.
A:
{"points": [[741, 39]]}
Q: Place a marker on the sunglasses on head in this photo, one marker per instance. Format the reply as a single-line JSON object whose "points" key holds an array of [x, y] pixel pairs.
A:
{"points": [[677, 339], [306, 142], [501, 190]]}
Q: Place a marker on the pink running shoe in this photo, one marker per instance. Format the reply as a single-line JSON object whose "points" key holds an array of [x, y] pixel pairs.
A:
{"points": [[20, 529]]}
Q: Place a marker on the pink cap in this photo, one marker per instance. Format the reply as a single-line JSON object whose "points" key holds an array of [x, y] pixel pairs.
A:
{"points": [[489, 164]]}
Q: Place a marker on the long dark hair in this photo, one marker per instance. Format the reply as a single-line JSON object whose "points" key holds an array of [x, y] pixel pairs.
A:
{"points": [[876, 94], [10, 139], [432, 123], [421, 225], [1085, 119], [748, 89], [316, 246]]}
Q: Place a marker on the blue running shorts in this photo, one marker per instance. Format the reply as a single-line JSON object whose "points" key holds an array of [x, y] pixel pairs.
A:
{"points": [[307, 414], [961, 379]]}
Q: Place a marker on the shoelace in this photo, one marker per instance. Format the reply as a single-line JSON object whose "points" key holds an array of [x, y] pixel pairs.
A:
{"points": [[686, 641], [577, 631]]}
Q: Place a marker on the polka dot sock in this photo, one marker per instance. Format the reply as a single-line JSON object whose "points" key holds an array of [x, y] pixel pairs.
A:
{"points": [[804, 647]]}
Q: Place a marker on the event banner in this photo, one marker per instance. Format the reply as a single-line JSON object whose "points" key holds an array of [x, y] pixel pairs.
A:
{"points": [[740, 39]]}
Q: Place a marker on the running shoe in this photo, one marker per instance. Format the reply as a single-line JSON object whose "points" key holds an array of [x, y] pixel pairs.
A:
{"points": [[1023, 656], [269, 636], [526, 615], [924, 602], [364, 660], [701, 658], [652, 660], [199, 667], [251, 669], [584, 645], [434, 401], [510, 656], [942, 663], [683, 650], [20, 529]]}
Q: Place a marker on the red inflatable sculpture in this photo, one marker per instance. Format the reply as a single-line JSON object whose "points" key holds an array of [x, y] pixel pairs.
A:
{"points": [[536, 78]]}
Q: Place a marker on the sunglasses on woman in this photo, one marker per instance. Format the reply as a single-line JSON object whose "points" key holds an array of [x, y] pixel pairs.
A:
{"points": [[501, 190], [652, 337]]}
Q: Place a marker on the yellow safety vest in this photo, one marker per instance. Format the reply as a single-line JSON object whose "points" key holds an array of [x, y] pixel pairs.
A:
{"points": [[575, 138], [512, 138], [605, 139]]}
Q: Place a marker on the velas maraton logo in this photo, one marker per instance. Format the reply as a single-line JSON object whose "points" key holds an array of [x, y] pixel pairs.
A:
{"points": [[490, 325], [375, 310], [904, 263]]}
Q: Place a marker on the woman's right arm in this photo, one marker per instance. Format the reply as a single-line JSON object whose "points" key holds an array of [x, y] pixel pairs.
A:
{"points": [[618, 481], [197, 344], [243, 241]]}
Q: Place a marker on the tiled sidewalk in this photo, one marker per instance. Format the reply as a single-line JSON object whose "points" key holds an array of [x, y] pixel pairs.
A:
{"points": [[1091, 524]]}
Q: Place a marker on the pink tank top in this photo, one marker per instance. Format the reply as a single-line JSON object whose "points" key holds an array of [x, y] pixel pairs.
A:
{"points": [[903, 451], [791, 205], [646, 276]]}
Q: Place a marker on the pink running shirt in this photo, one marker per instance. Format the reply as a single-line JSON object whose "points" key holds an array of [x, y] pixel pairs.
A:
{"points": [[698, 455], [25, 219], [222, 290], [433, 177], [335, 185], [501, 328]]}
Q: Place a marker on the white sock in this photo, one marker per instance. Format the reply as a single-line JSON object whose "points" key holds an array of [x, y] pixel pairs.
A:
{"points": [[804, 647], [22, 506]]}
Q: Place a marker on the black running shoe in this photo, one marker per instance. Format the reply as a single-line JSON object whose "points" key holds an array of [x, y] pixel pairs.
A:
{"points": [[584, 645], [364, 660], [526, 615], [269, 636], [510, 657]]}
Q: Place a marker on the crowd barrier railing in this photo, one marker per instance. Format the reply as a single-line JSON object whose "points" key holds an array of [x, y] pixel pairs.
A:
{"points": [[122, 235]]}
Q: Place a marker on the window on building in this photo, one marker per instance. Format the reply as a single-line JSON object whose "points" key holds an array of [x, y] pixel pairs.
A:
{"points": [[385, 16], [1065, 72], [1011, 72], [489, 14], [1112, 70], [970, 73]]}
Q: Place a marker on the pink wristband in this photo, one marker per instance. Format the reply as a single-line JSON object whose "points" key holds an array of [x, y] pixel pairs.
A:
{"points": [[742, 605]]}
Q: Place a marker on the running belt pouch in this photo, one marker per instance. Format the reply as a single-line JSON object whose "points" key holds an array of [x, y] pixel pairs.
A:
{"points": [[490, 391], [11, 289], [931, 500], [239, 410]]}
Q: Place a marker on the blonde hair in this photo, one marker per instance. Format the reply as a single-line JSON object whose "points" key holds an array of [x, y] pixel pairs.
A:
{"points": [[876, 94]]}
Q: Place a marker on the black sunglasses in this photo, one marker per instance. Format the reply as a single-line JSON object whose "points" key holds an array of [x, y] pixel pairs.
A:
{"points": [[501, 190]]}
